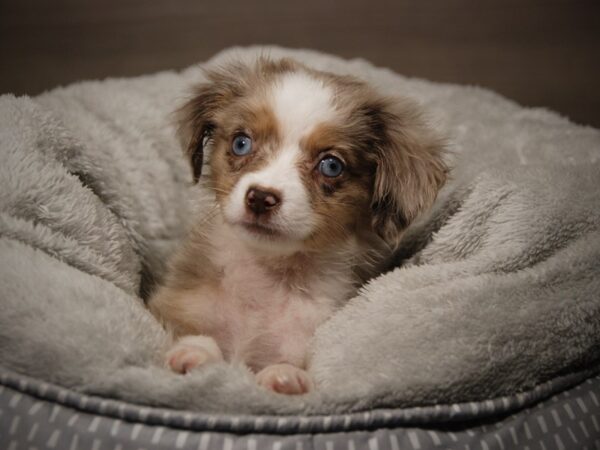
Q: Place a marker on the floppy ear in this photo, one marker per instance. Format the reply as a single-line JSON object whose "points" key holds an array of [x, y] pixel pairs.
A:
{"points": [[410, 167], [196, 118]]}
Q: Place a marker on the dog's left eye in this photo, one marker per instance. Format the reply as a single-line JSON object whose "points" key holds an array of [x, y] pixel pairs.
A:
{"points": [[241, 145], [331, 167]]}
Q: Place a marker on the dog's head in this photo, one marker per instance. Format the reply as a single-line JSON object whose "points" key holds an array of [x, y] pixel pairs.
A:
{"points": [[302, 159]]}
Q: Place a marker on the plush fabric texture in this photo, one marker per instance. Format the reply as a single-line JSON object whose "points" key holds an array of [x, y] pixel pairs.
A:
{"points": [[496, 290]]}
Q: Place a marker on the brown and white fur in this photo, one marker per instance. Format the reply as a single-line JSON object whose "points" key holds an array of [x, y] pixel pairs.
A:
{"points": [[287, 245]]}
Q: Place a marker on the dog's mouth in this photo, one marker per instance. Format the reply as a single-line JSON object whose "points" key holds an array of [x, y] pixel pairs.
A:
{"points": [[259, 229], [266, 237]]}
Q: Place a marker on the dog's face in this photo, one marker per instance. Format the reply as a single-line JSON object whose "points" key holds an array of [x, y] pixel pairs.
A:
{"points": [[302, 159]]}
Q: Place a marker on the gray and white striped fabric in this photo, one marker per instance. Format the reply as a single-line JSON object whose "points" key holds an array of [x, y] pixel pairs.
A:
{"points": [[37, 415]]}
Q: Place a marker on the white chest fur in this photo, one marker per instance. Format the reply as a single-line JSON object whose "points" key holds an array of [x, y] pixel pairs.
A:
{"points": [[268, 307]]}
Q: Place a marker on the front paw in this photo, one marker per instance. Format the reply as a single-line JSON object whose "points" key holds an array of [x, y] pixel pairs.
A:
{"points": [[193, 351], [285, 379]]}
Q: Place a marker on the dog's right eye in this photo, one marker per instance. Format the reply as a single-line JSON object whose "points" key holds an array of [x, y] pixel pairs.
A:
{"points": [[241, 145]]}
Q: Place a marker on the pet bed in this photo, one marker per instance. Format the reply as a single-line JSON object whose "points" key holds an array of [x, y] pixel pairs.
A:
{"points": [[486, 334]]}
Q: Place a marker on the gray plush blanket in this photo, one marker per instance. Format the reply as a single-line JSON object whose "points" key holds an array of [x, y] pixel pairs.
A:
{"points": [[495, 291]]}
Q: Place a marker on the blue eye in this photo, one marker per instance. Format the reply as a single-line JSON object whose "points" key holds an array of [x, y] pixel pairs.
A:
{"points": [[241, 145], [330, 166]]}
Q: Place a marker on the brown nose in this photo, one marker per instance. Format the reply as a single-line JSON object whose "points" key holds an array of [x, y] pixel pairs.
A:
{"points": [[260, 201]]}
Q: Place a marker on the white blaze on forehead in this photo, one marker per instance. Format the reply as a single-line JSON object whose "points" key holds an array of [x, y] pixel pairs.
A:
{"points": [[300, 102]]}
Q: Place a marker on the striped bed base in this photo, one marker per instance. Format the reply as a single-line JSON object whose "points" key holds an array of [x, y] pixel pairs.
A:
{"points": [[561, 414]]}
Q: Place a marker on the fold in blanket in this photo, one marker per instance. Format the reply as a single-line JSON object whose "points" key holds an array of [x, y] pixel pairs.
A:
{"points": [[495, 291]]}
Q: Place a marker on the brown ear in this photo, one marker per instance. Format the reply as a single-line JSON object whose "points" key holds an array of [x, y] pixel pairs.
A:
{"points": [[196, 118], [410, 167]]}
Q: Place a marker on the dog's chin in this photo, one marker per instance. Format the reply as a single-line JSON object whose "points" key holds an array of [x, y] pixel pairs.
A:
{"points": [[266, 238]]}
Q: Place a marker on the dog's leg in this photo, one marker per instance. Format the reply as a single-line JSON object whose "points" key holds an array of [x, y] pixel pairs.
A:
{"points": [[189, 352], [285, 378]]}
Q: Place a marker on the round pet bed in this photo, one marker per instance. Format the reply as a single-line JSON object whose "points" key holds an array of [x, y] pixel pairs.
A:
{"points": [[486, 333]]}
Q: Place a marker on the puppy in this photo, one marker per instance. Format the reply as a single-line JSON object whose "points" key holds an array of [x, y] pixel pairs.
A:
{"points": [[315, 178]]}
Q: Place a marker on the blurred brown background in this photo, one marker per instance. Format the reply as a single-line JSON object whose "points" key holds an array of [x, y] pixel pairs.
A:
{"points": [[538, 52]]}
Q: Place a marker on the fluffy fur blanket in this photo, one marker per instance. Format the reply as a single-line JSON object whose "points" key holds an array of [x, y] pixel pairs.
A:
{"points": [[495, 291]]}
